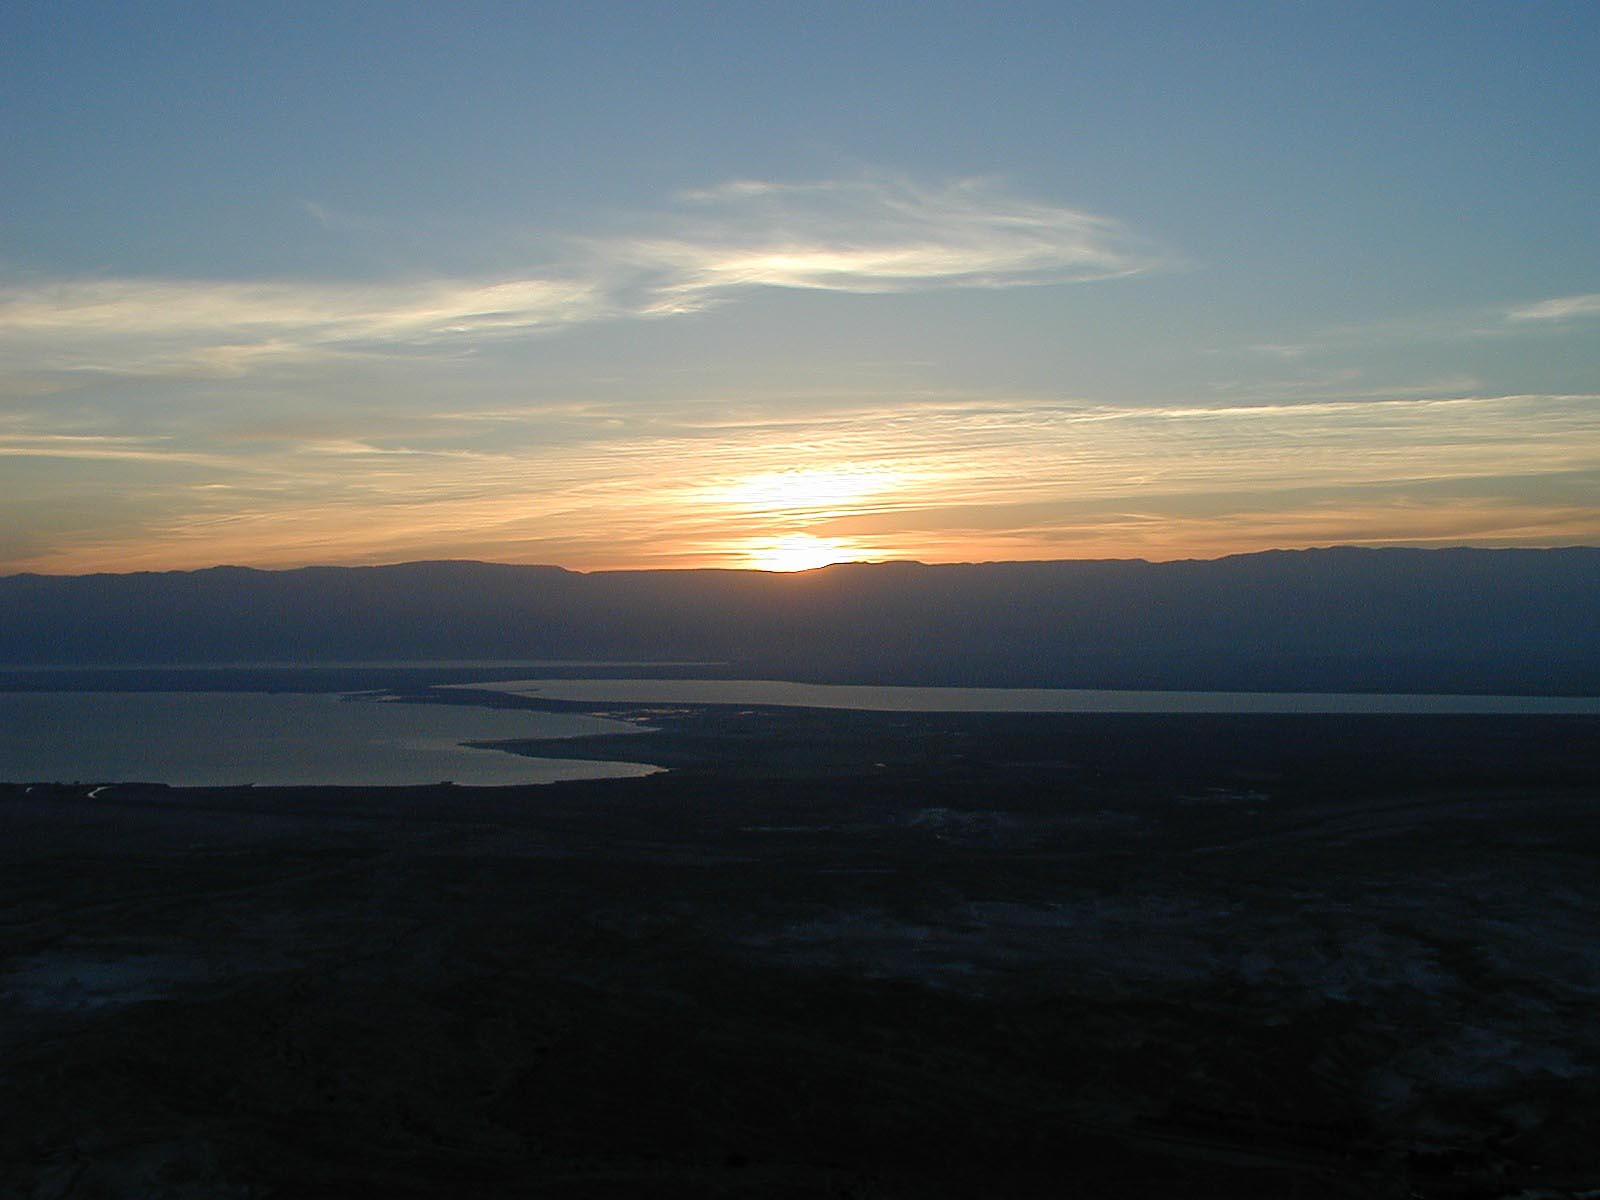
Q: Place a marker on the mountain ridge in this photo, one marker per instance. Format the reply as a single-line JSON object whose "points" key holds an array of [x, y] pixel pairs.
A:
{"points": [[1333, 618]]}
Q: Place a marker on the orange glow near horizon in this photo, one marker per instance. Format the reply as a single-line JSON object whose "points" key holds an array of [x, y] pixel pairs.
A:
{"points": [[962, 482], [798, 552], [304, 539]]}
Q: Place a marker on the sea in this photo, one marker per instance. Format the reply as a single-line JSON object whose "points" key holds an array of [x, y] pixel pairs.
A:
{"points": [[278, 738], [284, 739]]}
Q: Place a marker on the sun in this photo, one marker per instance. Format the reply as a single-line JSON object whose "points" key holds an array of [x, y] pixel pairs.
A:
{"points": [[797, 552]]}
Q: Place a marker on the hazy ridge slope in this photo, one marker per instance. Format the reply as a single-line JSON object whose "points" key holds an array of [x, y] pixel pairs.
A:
{"points": [[1344, 618]]}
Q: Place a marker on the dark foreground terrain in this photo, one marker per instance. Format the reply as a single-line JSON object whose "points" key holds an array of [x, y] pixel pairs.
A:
{"points": [[829, 954]]}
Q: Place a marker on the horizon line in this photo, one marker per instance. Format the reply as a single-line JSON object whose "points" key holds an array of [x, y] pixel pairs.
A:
{"points": [[888, 562]]}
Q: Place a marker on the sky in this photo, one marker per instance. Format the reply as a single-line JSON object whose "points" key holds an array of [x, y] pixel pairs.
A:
{"points": [[776, 285]]}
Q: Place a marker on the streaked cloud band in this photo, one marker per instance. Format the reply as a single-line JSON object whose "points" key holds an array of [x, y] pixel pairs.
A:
{"points": [[870, 236], [940, 477]]}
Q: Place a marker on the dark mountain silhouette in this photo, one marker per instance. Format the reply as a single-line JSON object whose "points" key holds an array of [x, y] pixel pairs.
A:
{"points": [[1336, 619]]}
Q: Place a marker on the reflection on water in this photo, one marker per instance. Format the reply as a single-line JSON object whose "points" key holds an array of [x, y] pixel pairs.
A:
{"points": [[1043, 700], [216, 739]]}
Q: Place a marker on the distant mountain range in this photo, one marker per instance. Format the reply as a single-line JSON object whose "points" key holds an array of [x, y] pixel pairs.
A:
{"points": [[1461, 620]]}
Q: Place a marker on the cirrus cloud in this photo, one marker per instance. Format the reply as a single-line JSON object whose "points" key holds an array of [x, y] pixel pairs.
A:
{"points": [[1562, 308], [866, 236], [878, 236]]}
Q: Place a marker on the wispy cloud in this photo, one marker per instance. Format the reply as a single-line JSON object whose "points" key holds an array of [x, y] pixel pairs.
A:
{"points": [[869, 236], [1562, 308], [103, 448], [876, 236], [142, 326], [1480, 323]]}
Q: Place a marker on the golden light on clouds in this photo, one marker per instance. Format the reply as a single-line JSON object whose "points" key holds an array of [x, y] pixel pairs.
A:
{"points": [[153, 423], [790, 485], [805, 493]]}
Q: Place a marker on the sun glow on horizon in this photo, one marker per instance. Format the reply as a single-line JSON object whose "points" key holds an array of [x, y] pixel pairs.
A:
{"points": [[796, 497], [799, 552]]}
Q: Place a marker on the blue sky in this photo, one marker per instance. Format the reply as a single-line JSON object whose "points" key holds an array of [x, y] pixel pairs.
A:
{"points": [[675, 285]]}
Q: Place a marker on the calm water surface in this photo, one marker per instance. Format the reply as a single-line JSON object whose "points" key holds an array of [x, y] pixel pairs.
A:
{"points": [[212, 739], [1019, 700], [217, 739]]}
